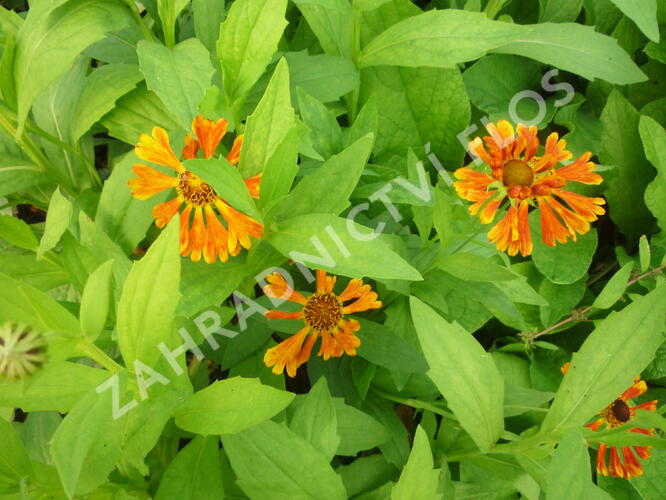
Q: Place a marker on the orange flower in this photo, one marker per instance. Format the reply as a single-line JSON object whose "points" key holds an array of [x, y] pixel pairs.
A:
{"points": [[323, 313], [528, 180], [615, 414], [210, 238]]}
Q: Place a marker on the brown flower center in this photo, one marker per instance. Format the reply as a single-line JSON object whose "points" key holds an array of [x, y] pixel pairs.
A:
{"points": [[616, 413], [195, 191], [323, 311], [517, 173]]}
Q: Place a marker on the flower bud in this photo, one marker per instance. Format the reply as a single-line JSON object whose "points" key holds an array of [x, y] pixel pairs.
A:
{"points": [[22, 351]]}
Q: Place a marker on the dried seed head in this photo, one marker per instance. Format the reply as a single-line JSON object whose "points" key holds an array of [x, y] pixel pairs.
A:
{"points": [[22, 351]]}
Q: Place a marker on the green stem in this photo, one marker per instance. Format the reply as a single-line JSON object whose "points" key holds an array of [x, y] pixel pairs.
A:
{"points": [[416, 403], [33, 151], [493, 8], [147, 33], [96, 354], [94, 175], [353, 97]]}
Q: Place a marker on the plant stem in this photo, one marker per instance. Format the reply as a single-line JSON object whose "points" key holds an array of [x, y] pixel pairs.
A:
{"points": [[148, 35], [416, 403], [493, 8], [576, 315], [96, 354]]}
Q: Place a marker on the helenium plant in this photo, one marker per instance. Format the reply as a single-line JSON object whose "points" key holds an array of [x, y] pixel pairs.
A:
{"points": [[329, 249]]}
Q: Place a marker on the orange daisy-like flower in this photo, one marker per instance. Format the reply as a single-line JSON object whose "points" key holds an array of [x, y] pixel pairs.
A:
{"points": [[323, 313], [525, 179], [209, 238], [615, 414]]}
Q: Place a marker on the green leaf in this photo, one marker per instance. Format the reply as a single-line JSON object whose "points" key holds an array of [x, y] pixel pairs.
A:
{"points": [[471, 267], [643, 13], [382, 346], [122, 217], [569, 474], [86, 445], [567, 263], [578, 49], [208, 15], [324, 77], [612, 355], [560, 11], [315, 420], [463, 372], [653, 137], [325, 132], [58, 386], [248, 39], [615, 287], [358, 431], [195, 473], [22, 303], [332, 21], [41, 56], [14, 461], [231, 405], [270, 124], [168, 11], [337, 177], [19, 174], [420, 108], [149, 299], [41, 274], [438, 39], [418, 479], [137, 113], [365, 474], [622, 148], [227, 182], [288, 464], [332, 243], [180, 91], [103, 88], [96, 300], [58, 217], [16, 232], [449, 37]]}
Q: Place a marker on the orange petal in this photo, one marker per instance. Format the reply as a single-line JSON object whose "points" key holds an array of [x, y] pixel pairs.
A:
{"points": [[580, 170], [191, 148], [601, 460], [234, 155], [185, 231], [565, 367], [273, 314], [616, 468], [476, 148], [321, 280], [239, 226], [638, 388], [278, 288], [156, 149], [346, 339], [216, 238], [472, 184], [329, 347], [586, 207], [209, 133], [252, 185], [197, 235], [513, 231], [531, 140], [149, 182], [632, 466], [575, 223], [164, 212], [552, 229], [288, 353]]}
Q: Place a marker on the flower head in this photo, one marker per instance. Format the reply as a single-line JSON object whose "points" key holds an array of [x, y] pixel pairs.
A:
{"points": [[617, 413], [209, 238], [526, 180], [22, 351], [323, 313]]}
